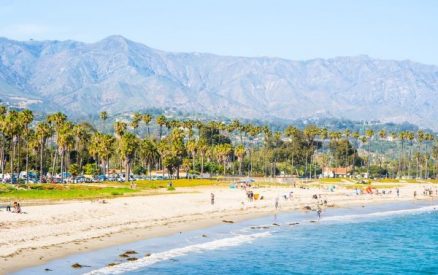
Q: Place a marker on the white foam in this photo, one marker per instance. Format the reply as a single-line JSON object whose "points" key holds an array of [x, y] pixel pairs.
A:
{"points": [[177, 252], [381, 214]]}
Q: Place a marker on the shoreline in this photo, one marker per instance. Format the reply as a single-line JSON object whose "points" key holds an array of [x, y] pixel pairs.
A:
{"points": [[132, 229]]}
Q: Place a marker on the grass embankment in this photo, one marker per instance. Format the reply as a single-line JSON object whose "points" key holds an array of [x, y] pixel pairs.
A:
{"points": [[90, 191]]}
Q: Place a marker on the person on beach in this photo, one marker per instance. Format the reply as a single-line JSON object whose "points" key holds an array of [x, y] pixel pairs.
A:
{"points": [[276, 203], [398, 192], [212, 199], [318, 212], [17, 208], [415, 194], [8, 207]]}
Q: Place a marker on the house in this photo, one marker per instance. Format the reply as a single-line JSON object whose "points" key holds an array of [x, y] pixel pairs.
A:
{"points": [[336, 172]]}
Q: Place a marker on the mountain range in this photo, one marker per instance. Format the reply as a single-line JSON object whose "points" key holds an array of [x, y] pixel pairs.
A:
{"points": [[119, 75]]}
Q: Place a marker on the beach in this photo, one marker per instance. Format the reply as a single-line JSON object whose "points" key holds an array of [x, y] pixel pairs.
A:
{"points": [[57, 229]]}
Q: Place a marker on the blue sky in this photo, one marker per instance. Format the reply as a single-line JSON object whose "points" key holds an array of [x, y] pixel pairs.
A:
{"points": [[290, 29]]}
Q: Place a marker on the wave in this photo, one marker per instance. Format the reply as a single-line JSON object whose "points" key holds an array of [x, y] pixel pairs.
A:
{"points": [[177, 252], [383, 214]]}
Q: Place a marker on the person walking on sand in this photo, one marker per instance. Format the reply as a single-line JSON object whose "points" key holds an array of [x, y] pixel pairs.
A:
{"points": [[276, 203], [415, 194], [398, 192], [212, 199]]}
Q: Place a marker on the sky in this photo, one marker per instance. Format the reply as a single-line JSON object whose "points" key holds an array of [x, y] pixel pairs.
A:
{"points": [[299, 30]]}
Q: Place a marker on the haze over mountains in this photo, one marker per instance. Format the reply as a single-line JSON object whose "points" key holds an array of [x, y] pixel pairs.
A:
{"points": [[118, 75]]}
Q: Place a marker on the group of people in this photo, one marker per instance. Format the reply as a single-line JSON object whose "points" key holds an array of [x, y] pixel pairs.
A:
{"points": [[16, 208]]}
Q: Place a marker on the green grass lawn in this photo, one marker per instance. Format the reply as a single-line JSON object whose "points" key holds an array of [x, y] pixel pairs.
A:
{"points": [[59, 192], [93, 190]]}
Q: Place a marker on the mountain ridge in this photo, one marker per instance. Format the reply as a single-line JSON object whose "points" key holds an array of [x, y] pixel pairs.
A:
{"points": [[116, 74]]}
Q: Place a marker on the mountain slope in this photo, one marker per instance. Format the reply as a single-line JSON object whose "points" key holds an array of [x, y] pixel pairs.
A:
{"points": [[116, 74]]}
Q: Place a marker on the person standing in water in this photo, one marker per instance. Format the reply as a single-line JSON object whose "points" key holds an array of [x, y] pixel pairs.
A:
{"points": [[318, 212], [212, 198]]}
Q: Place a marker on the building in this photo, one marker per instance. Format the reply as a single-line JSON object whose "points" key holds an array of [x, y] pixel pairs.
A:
{"points": [[336, 172]]}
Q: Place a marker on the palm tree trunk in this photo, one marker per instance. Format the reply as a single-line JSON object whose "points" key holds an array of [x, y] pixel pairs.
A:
{"points": [[3, 158], [27, 162], [41, 161], [18, 156], [62, 166]]}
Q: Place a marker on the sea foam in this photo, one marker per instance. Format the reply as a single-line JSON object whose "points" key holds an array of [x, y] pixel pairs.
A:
{"points": [[177, 252]]}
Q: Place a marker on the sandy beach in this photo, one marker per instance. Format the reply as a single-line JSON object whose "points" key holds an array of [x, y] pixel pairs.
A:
{"points": [[53, 230]]}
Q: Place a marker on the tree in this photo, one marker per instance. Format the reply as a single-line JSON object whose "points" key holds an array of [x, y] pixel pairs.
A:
{"points": [[65, 142], [147, 118], [223, 152], [161, 121], [149, 152], [128, 145], [192, 147], [240, 153], [120, 128], [74, 169], [91, 169], [135, 122], [43, 132], [202, 148], [103, 117], [26, 118]]}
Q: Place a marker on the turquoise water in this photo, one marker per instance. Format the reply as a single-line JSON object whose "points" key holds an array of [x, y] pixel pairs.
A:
{"points": [[395, 239]]}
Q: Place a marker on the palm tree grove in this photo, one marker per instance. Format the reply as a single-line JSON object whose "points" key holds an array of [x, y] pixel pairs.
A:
{"points": [[57, 150]]}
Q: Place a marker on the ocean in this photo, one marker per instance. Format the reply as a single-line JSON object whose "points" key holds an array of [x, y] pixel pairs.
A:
{"points": [[394, 238]]}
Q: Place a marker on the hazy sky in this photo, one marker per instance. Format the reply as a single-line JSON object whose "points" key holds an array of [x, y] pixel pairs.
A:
{"points": [[392, 29]]}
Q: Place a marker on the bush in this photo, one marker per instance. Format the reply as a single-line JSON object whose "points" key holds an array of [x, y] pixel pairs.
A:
{"points": [[74, 169], [170, 188], [91, 169]]}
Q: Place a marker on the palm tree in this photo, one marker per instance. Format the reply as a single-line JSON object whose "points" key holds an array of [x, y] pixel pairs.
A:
{"points": [[135, 122], [149, 153], [369, 134], [82, 132], [56, 120], [240, 153], [192, 147], [147, 118], [202, 148], [65, 142], [356, 137], [26, 118], [127, 147], [103, 117], [310, 133], [223, 152], [382, 136], [3, 112], [101, 146], [11, 130], [161, 121], [292, 133], [120, 128], [43, 132], [347, 134]]}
